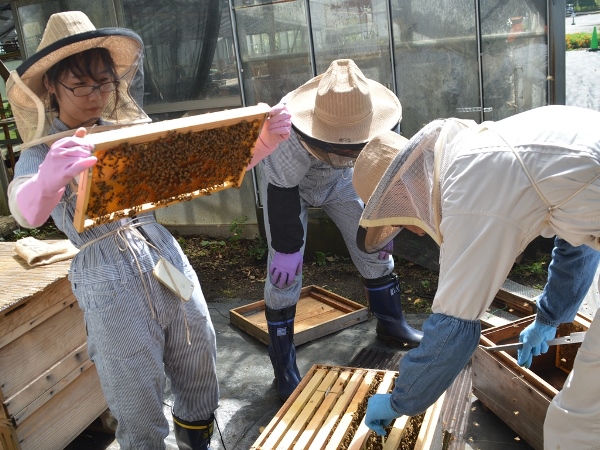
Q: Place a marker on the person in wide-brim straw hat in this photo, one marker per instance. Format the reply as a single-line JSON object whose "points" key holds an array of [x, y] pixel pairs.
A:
{"points": [[138, 331], [484, 192], [333, 116], [67, 34]]}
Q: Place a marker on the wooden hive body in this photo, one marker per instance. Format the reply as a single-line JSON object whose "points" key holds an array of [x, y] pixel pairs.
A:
{"points": [[149, 166], [49, 388], [520, 396], [326, 411]]}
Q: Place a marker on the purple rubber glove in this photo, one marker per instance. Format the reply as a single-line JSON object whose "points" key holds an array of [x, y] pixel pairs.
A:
{"points": [[380, 413], [534, 338], [66, 159], [386, 251], [275, 130], [284, 268]]}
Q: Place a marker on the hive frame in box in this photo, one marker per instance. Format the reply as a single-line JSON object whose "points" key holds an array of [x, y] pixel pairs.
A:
{"points": [[518, 396], [108, 144], [323, 414]]}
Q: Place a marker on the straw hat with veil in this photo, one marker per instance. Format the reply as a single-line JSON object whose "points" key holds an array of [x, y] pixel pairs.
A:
{"points": [[336, 113], [66, 34], [399, 181]]}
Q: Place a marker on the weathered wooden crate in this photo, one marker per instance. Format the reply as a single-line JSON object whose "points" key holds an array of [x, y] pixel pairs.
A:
{"points": [[326, 411], [520, 396], [149, 166], [49, 388], [319, 312]]}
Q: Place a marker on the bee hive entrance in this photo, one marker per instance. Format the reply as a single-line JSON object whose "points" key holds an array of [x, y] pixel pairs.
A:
{"points": [[146, 167]]}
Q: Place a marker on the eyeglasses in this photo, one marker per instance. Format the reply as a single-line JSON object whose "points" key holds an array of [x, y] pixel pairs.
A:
{"points": [[83, 91], [347, 150]]}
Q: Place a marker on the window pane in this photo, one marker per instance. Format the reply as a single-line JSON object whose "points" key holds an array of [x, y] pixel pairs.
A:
{"points": [[515, 56], [354, 30], [273, 49], [190, 64], [435, 51]]}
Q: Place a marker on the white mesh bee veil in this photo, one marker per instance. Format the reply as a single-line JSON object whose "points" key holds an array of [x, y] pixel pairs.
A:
{"points": [[408, 191]]}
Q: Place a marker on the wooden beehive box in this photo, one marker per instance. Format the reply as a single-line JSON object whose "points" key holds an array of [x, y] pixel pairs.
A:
{"points": [[520, 396], [49, 388], [319, 312], [145, 167], [326, 411]]}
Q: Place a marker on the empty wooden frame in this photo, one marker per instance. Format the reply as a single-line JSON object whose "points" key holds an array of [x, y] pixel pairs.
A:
{"points": [[145, 167]]}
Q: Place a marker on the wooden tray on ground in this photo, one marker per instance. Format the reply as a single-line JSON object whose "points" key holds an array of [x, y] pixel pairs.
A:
{"points": [[319, 312], [326, 411], [145, 167], [520, 396]]}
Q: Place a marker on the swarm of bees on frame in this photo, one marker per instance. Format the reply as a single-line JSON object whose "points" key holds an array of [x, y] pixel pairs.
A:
{"points": [[168, 170]]}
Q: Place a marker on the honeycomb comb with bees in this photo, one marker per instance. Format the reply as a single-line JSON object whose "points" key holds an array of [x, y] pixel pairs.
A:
{"points": [[150, 166]]}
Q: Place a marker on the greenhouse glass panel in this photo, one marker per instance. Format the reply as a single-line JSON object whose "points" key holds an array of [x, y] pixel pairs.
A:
{"points": [[189, 56], [436, 64], [514, 56], [273, 49], [354, 30]]}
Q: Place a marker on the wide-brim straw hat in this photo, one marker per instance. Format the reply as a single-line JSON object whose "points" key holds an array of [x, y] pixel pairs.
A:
{"points": [[68, 33], [71, 32], [343, 106]]}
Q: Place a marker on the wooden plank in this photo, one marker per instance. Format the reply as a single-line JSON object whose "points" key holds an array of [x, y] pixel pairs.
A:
{"points": [[35, 311], [40, 348], [299, 403], [343, 427], [431, 427], [393, 439], [308, 411], [511, 397], [363, 431], [151, 166], [47, 384], [338, 409], [65, 416], [330, 397]]}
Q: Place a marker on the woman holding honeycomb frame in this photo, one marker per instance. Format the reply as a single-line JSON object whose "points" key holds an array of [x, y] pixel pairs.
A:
{"points": [[139, 332]]}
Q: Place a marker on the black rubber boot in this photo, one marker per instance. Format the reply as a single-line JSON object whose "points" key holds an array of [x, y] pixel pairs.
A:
{"points": [[280, 323], [193, 435], [385, 303]]}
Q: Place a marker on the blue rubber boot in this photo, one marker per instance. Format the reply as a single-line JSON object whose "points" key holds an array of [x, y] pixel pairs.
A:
{"points": [[193, 435], [280, 323], [385, 303]]}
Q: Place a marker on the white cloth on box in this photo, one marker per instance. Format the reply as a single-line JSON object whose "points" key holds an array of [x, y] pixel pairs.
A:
{"points": [[39, 253]]}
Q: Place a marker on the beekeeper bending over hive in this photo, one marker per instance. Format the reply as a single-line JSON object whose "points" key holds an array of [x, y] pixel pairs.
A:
{"points": [[483, 192]]}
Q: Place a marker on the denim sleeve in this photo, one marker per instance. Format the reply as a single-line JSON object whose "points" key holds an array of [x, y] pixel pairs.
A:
{"points": [[570, 275], [428, 370]]}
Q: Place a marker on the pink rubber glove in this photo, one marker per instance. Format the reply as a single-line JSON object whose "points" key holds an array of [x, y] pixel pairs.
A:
{"points": [[284, 268], [276, 129], [386, 251], [66, 159]]}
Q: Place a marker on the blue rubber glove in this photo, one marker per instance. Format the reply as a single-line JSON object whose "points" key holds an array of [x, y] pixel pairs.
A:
{"points": [[534, 338], [380, 413], [284, 268], [386, 251]]}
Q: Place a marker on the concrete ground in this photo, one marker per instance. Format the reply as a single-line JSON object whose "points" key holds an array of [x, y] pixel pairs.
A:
{"points": [[248, 398]]}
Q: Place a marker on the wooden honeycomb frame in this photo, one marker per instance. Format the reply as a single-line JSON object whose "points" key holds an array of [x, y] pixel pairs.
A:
{"points": [[150, 166], [326, 412]]}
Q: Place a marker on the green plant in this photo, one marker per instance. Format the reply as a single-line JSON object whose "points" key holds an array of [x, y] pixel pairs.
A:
{"points": [[237, 228], [425, 284], [320, 258], [258, 248]]}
